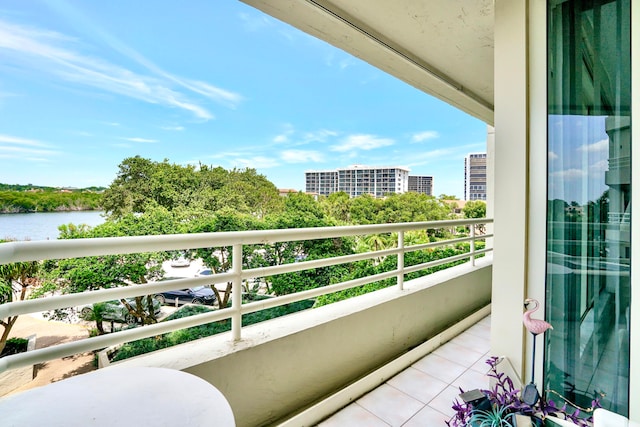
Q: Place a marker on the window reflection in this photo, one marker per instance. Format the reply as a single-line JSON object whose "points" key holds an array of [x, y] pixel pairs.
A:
{"points": [[589, 204]]}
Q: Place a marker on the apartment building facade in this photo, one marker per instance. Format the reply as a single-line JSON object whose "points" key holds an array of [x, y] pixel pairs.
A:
{"points": [[357, 180], [421, 184], [475, 176], [321, 183]]}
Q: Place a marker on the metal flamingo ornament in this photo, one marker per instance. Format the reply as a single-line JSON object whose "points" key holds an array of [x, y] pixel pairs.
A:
{"points": [[530, 394]]}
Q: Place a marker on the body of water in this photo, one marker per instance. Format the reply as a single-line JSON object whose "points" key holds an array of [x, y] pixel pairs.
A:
{"points": [[43, 225]]}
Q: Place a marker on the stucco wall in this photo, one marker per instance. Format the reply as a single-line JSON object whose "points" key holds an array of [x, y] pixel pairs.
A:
{"points": [[285, 364]]}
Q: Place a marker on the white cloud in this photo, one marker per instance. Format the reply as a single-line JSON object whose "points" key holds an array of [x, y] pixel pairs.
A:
{"points": [[568, 174], [13, 147], [174, 128], [424, 136], [281, 138], [7, 151], [361, 142], [144, 140], [254, 22], [318, 136], [599, 167], [8, 139], [552, 155], [81, 133], [342, 62], [301, 156], [52, 53], [291, 136], [601, 146], [419, 159], [257, 162]]}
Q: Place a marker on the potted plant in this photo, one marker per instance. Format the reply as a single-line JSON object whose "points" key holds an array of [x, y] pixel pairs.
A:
{"points": [[499, 406]]}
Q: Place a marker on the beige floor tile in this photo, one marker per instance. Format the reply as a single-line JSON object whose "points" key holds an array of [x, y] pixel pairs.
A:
{"points": [[353, 415], [417, 384], [480, 330], [439, 367], [427, 417], [458, 354], [481, 365], [390, 404], [473, 342], [444, 400], [471, 380]]}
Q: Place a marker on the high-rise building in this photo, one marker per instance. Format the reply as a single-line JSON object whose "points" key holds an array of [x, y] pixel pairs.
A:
{"points": [[475, 176], [357, 179], [321, 182], [421, 184]]}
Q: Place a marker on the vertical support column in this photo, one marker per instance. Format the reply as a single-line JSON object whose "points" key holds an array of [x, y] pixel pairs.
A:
{"points": [[511, 183], [236, 293], [538, 155], [401, 260]]}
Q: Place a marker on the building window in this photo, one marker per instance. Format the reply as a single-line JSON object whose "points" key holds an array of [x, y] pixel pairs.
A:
{"points": [[589, 204]]}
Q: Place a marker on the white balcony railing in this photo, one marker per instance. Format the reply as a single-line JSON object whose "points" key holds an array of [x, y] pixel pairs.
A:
{"points": [[59, 249]]}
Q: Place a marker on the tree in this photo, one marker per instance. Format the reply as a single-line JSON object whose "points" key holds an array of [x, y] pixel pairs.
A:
{"points": [[411, 207], [15, 279], [142, 184], [95, 314], [108, 271], [475, 209], [336, 205], [220, 259]]}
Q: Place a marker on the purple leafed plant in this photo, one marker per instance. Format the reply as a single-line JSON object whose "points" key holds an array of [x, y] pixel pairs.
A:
{"points": [[505, 397]]}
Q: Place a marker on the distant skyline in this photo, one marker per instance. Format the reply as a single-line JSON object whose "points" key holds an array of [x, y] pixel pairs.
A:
{"points": [[84, 85]]}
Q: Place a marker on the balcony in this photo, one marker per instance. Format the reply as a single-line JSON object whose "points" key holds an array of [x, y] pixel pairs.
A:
{"points": [[304, 366]]}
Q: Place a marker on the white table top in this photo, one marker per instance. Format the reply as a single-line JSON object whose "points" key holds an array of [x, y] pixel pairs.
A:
{"points": [[120, 396]]}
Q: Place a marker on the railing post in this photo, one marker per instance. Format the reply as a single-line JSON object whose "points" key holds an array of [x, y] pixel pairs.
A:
{"points": [[401, 260], [472, 246], [236, 293]]}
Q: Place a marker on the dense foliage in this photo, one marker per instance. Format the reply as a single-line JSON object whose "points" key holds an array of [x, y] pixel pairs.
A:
{"points": [[152, 198], [51, 200], [180, 336], [14, 346], [142, 184]]}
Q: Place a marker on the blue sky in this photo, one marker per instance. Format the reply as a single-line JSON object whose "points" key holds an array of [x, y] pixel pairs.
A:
{"points": [[86, 84]]}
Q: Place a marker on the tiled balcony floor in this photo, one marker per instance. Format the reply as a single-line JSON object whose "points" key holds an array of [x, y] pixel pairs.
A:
{"points": [[422, 394]]}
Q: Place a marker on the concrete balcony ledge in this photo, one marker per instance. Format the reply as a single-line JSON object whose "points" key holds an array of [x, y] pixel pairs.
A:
{"points": [[285, 365]]}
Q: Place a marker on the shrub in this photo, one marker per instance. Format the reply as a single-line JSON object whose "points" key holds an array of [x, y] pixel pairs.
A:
{"points": [[180, 336], [15, 346]]}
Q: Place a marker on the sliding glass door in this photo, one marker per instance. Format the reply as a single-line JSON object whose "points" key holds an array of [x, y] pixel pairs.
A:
{"points": [[589, 204]]}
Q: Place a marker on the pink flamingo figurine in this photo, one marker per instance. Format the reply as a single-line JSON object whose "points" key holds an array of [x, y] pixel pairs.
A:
{"points": [[535, 326], [530, 393]]}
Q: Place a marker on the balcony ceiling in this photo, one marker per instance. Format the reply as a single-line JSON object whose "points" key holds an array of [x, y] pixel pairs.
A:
{"points": [[442, 47]]}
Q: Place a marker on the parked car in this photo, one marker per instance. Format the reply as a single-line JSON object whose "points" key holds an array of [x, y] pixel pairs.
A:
{"points": [[197, 295], [180, 262], [117, 312], [204, 272]]}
